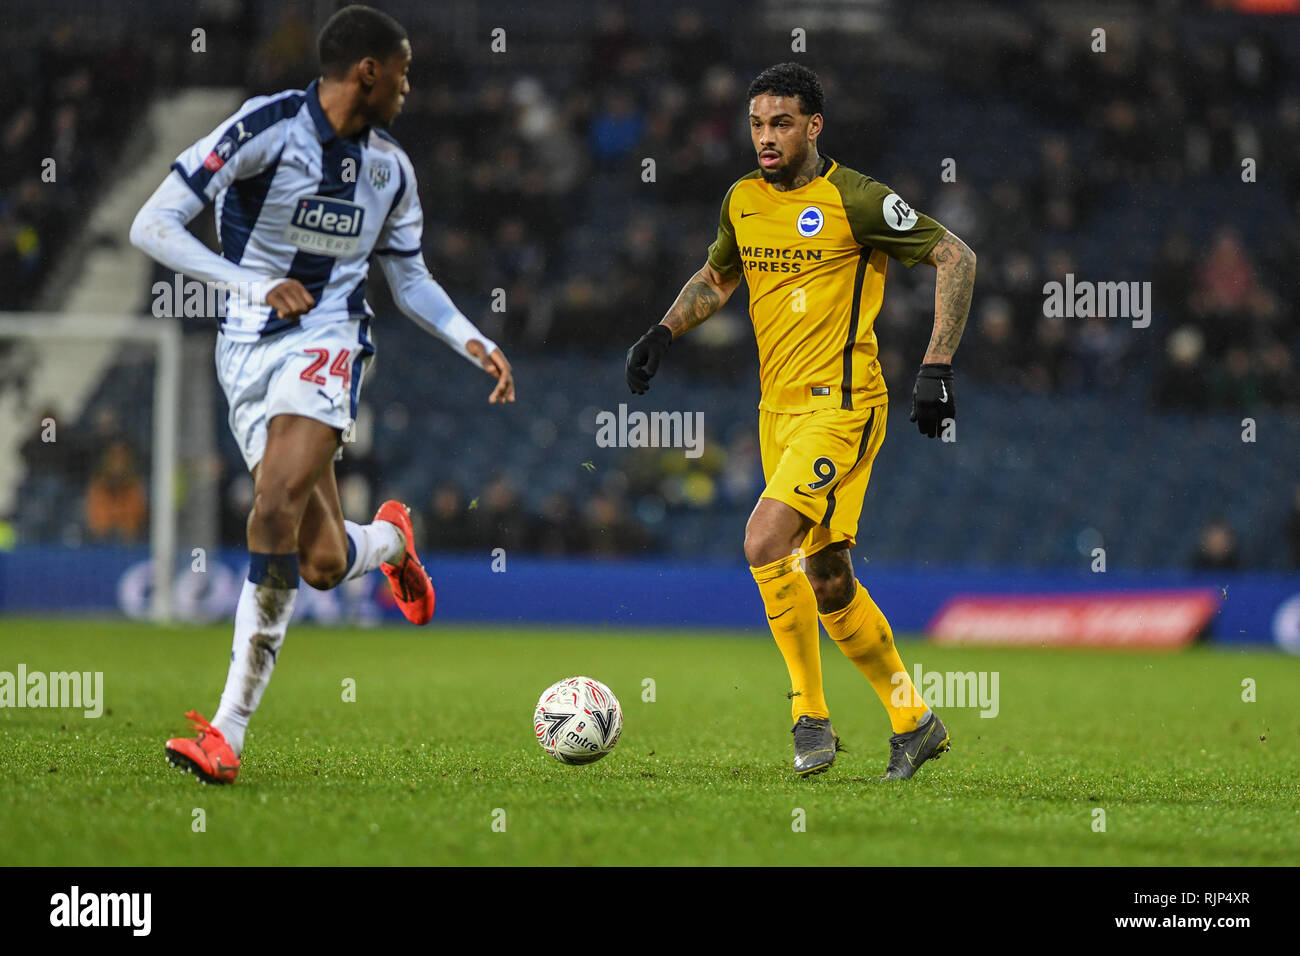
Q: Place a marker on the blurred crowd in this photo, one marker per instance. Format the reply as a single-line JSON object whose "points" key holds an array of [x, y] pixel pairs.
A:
{"points": [[67, 104], [1218, 546], [1143, 142], [85, 483], [627, 510]]}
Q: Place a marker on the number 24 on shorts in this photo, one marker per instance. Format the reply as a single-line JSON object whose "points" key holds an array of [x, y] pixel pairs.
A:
{"points": [[341, 368]]}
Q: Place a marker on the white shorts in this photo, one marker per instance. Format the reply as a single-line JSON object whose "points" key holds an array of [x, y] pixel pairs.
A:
{"points": [[314, 372]]}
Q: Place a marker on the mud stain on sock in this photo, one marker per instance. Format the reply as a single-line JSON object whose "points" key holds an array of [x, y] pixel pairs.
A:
{"points": [[270, 604], [262, 651]]}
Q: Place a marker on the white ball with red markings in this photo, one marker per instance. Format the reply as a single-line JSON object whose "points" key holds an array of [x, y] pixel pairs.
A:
{"points": [[578, 720]]}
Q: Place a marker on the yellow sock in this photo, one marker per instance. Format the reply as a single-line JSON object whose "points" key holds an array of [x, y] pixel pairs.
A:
{"points": [[792, 614], [863, 634]]}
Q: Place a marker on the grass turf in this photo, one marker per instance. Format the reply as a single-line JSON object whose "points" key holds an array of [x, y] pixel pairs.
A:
{"points": [[440, 737]]}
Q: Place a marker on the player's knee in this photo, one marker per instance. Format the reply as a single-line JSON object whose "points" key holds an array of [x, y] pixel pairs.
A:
{"points": [[831, 574], [322, 571], [762, 548]]}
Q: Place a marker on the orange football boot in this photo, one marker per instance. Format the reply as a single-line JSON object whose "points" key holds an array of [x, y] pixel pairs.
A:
{"points": [[208, 757], [409, 581]]}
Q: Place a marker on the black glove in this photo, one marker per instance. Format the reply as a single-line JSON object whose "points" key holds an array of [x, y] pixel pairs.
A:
{"points": [[643, 358], [932, 399]]}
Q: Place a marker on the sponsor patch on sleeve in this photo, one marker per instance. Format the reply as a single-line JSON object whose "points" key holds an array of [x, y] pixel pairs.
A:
{"points": [[900, 216]]}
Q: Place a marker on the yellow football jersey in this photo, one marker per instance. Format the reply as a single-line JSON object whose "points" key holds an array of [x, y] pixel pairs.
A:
{"points": [[814, 259]]}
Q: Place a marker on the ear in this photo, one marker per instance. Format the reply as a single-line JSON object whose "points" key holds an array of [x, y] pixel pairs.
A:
{"points": [[814, 127], [367, 69]]}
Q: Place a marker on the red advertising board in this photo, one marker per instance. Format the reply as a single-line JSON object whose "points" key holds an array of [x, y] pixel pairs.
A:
{"points": [[1139, 619]]}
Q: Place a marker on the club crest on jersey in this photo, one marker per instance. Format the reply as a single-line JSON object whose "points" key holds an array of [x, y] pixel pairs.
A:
{"points": [[380, 174], [325, 226], [810, 221]]}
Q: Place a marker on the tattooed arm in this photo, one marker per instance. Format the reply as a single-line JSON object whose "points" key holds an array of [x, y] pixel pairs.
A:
{"points": [[955, 264], [704, 294]]}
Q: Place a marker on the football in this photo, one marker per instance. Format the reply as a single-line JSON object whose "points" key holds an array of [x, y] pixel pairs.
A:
{"points": [[578, 720]]}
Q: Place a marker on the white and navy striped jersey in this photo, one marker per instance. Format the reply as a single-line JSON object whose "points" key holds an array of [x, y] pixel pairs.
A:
{"points": [[295, 200]]}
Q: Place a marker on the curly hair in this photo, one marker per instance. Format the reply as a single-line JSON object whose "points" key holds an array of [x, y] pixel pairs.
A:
{"points": [[790, 79]]}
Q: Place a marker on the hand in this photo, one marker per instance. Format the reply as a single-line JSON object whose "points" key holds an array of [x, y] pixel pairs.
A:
{"points": [[643, 358], [497, 366], [932, 399], [290, 299]]}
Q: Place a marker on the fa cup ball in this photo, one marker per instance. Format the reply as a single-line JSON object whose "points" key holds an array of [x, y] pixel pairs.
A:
{"points": [[578, 720]]}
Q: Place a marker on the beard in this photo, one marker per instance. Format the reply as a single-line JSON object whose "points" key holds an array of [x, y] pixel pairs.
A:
{"points": [[784, 175]]}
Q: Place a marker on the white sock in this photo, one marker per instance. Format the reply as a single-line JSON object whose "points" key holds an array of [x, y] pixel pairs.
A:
{"points": [[261, 620], [375, 544]]}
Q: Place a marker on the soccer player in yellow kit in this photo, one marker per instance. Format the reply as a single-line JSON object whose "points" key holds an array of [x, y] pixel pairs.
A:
{"points": [[812, 238]]}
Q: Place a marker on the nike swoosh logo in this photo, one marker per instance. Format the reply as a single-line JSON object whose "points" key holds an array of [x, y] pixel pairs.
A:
{"points": [[929, 731], [804, 493], [221, 766], [744, 214], [944, 396], [782, 614]]}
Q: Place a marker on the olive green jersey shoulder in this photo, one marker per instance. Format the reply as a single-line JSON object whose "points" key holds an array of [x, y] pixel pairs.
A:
{"points": [[881, 219], [724, 254]]}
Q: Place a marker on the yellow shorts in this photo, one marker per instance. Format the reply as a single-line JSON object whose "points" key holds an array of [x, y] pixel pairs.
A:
{"points": [[819, 463]]}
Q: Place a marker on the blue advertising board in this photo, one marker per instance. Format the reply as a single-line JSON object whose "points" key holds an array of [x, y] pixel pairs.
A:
{"points": [[1254, 607]]}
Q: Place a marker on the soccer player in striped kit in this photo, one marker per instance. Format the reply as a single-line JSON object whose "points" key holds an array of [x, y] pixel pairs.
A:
{"points": [[308, 186]]}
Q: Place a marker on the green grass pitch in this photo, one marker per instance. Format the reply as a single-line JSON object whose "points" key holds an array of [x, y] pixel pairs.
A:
{"points": [[440, 738]]}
